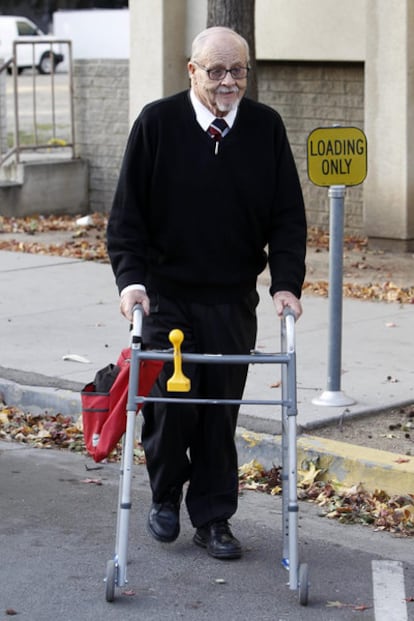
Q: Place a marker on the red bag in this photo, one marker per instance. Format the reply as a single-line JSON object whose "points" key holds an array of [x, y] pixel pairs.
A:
{"points": [[104, 412]]}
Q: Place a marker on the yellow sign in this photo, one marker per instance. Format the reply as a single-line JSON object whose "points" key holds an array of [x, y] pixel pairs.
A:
{"points": [[337, 156]]}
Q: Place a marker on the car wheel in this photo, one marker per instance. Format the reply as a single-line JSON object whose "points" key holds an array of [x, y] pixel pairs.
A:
{"points": [[47, 63]]}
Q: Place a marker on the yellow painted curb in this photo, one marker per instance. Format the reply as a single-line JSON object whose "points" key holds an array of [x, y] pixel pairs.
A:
{"points": [[350, 464]]}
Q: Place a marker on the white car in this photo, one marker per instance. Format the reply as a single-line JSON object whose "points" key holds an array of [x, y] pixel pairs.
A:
{"points": [[45, 54]]}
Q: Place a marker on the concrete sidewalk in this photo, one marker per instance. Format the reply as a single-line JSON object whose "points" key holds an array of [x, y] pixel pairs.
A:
{"points": [[53, 307]]}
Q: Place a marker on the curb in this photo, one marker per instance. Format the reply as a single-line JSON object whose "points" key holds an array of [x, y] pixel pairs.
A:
{"points": [[348, 464], [61, 400]]}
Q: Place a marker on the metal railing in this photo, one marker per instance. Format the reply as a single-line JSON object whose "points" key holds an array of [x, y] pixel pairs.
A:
{"points": [[33, 136]]}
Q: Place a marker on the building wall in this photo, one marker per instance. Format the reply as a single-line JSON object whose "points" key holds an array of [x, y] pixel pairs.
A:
{"points": [[101, 105], [300, 30], [311, 95], [307, 95], [3, 112]]}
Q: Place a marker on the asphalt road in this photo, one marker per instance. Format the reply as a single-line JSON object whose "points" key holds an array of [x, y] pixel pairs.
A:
{"points": [[57, 532]]}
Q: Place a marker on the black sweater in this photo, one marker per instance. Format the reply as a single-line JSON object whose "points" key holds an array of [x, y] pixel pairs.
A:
{"points": [[189, 223]]}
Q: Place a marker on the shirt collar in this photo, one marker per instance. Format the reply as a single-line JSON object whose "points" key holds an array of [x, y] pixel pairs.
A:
{"points": [[205, 117]]}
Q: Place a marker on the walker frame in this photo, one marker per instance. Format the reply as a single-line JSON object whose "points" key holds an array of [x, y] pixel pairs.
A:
{"points": [[116, 569]]}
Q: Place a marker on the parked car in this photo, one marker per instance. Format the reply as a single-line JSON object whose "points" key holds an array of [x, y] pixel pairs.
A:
{"points": [[45, 53]]}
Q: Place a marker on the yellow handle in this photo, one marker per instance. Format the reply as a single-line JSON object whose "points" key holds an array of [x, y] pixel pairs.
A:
{"points": [[178, 382]]}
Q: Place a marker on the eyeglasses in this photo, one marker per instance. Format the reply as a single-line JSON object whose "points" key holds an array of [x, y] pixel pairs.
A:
{"points": [[219, 73]]}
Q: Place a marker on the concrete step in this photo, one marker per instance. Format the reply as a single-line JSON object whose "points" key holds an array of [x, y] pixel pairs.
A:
{"points": [[45, 186]]}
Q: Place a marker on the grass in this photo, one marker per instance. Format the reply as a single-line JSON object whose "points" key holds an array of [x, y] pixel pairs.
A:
{"points": [[44, 134]]}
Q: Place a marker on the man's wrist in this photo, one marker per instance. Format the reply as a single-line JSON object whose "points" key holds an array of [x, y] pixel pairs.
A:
{"points": [[134, 287]]}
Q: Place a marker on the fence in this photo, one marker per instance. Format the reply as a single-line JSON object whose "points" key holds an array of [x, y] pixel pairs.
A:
{"points": [[38, 123]]}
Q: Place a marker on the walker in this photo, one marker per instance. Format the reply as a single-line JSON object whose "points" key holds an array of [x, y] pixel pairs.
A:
{"points": [[116, 569]]}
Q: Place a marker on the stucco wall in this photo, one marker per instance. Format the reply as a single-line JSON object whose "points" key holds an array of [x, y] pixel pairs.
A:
{"points": [[307, 95]]}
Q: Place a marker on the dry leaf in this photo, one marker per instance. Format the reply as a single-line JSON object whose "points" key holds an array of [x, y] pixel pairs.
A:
{"points": [[336, 604], [276, 385], [250, 438], [309, 475]]}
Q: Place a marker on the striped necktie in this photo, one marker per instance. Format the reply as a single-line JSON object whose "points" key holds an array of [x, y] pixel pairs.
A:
{"points": [[217, 130]]}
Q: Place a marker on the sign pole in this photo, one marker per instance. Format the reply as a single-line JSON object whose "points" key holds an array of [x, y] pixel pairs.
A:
{"points": [[333, 395], [337, 158]]}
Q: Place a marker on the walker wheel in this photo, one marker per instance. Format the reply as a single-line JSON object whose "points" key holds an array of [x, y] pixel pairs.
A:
{"points": [[110, 580], [303, 584]]}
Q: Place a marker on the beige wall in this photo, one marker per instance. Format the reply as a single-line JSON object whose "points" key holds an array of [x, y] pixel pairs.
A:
{"points": [[298, 29], [389, 87], [158, 56], [310, 29]]}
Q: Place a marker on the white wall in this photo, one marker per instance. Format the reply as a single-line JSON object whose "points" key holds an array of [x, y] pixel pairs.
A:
{"points": [[95, 33]]}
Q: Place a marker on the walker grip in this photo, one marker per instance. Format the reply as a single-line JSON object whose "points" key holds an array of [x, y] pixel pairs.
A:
{"points": [[178, 382]]}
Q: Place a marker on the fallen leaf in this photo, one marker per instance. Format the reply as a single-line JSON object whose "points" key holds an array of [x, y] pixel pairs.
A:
{"points": [[4, 418], [309, 475], [336, 604], [275, 491], [276, 385], [252, 469], [250, 438]]}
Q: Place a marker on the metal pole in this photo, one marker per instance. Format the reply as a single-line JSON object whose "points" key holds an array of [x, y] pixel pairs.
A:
{"points": [[333, 394]]}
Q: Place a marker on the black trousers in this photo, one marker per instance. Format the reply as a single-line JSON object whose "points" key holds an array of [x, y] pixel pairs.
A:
{"points": [[195, 443]]}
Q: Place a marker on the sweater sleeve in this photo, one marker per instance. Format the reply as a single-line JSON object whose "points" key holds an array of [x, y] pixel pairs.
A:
{"points": [[127, 231], [287, 240]]}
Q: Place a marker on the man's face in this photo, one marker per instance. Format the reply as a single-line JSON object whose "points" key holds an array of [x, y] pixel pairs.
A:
{"points": [[221, 51]]}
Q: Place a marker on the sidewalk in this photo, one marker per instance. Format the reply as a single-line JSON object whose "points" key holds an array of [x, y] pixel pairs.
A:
{"points": [[53, 307]]}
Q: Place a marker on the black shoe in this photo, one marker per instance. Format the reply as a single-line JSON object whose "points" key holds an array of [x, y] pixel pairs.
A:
{"points": [[219, 540], [164, 521]]}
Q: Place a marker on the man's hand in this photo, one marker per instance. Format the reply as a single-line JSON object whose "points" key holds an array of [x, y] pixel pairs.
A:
{"points": [[130, 298], [282, 299]]}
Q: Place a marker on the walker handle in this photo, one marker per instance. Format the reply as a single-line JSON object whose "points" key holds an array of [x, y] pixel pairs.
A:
{"points": [[178, 382]]}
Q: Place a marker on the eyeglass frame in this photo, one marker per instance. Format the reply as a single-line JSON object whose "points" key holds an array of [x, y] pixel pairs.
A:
{"points": [[208, 71]]}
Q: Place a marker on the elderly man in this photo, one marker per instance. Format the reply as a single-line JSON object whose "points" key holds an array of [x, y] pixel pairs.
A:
{"points": [[208, 182]]}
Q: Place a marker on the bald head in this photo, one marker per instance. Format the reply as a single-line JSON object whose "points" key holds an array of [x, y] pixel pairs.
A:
{"points": [[216, 36], [221, 52]]}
